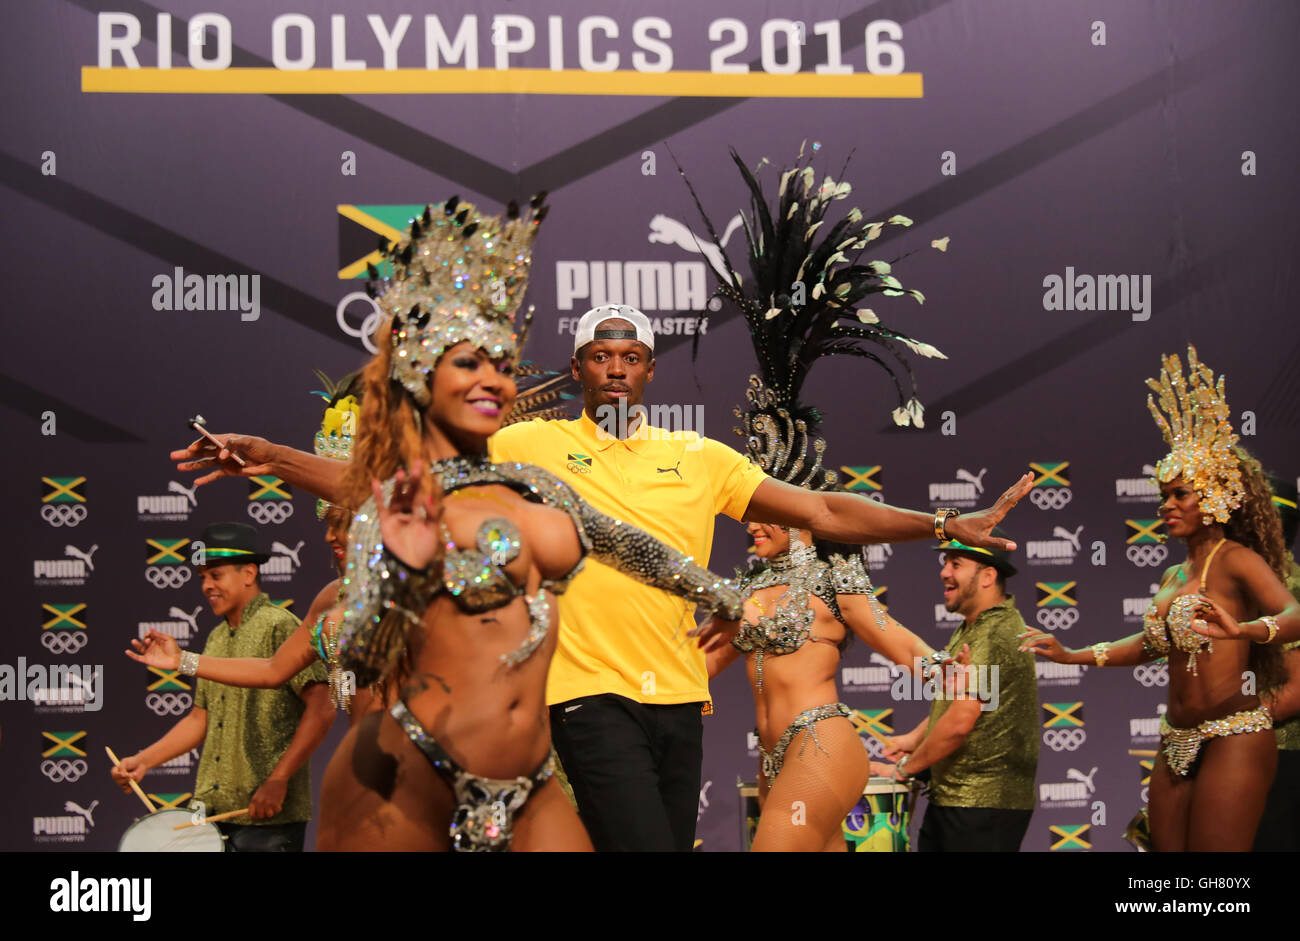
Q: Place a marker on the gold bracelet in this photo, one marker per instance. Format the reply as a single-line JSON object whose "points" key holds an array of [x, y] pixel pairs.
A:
{"points": [[941, 517], [1100, 652], [1271, 623]]}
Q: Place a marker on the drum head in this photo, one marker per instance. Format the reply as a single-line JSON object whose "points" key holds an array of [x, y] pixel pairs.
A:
{"points": [[154, 834]]}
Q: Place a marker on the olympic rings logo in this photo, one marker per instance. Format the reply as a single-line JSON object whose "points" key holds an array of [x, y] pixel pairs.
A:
{"points": [[1058, 619], [63, 515], [167, 576], [63, 641], [1152, 674], [1050, 498], [369, 324], [1147, 556], [169, 704], [1144, 796], [273, 511], [63, 769], [1064, 739]]}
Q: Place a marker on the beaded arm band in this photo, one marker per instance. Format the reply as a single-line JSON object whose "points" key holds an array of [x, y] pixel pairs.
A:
{"points": [[1100, 653], [1271, 623], [189, 664], [636, 553]]}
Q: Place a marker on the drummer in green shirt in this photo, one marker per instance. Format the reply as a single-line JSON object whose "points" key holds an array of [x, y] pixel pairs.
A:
{"points": [[256, 742], [980, 746]]}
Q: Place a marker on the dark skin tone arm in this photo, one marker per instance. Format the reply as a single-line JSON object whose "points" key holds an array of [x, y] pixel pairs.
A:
{"points": [[320, 476], [845, 517]]}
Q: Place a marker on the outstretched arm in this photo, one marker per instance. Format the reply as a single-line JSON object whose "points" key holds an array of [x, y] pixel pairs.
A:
{"points": [[320, 476], [846, 517], [1128, 652], [892, 639]]}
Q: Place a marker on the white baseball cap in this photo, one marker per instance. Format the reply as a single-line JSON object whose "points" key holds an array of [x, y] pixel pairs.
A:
{"points": [[586, 331]]}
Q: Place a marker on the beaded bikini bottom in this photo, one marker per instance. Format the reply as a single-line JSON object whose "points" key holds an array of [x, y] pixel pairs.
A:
{"points": [[483, 819], [1182, 747], [774, 760]]}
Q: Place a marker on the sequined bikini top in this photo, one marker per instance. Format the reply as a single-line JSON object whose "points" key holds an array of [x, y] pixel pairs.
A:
{"points": [[1177, 623], [789, 625]]}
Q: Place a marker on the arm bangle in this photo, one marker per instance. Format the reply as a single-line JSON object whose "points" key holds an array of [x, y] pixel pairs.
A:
{"points": [[941, 517], [1271, 623], [1100, 652], [189, 662]]}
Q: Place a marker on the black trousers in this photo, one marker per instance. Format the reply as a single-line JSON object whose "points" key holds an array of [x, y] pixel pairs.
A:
{"points": [[271, 838], [634, 768], [1279, 828], [972, 829]]}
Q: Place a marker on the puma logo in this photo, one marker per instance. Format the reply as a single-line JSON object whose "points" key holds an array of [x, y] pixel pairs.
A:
{"points": [[187, 492], [976, 479], [83, 556], [668, 231], [1060, 532], [291, 553], [1074, 774], [673, 469], [191, 619], [73, 807]]}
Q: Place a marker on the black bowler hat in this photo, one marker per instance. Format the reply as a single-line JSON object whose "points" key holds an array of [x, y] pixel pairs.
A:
{"points": [[1000, 559], [231, 544]]}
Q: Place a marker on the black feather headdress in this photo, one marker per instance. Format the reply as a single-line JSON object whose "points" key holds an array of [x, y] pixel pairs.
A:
{"points": [[805, 299]]}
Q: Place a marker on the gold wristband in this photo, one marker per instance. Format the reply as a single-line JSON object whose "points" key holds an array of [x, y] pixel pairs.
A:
{"points": [[941, 517], [1100, 652], [1271, 623]]}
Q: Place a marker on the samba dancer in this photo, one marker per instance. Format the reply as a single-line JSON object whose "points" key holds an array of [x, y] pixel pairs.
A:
{"points": [[1221, 615], [806, 595]]}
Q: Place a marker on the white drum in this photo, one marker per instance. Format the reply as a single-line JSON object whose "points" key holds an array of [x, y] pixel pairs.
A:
{"points": [[154, 834]]}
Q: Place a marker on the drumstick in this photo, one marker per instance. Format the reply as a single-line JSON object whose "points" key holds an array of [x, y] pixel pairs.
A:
{"points": [[213, 819], [1143, 752], [197, 423], [135, 786]]}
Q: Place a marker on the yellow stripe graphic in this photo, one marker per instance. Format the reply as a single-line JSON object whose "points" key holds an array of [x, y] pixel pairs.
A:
{"points": [[685, 84]]}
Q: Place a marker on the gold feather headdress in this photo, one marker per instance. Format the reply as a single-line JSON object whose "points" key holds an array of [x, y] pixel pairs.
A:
{"points": [[1195, 426]]}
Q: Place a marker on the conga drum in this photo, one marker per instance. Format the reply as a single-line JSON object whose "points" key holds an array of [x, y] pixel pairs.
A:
{"points": [[879, 822], [154, 833]]}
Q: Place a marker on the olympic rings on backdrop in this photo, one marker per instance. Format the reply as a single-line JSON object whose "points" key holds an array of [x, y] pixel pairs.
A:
{"points": [[368, 325], [275, 511], [1064, 739], [1147, 555], [63, 641], [63, 515], [63, 769], [1050, 498], [169, 704], [1058, 619], [1152, 674], [167, 576]]}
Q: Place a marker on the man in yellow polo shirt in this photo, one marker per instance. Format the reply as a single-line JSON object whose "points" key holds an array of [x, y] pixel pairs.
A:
{"points": [[626, 687]]}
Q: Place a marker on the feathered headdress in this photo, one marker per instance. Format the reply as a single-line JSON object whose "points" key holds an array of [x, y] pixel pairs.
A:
{"points": [[540, 393], [805, 301], [457, 275], [1198, 433]]}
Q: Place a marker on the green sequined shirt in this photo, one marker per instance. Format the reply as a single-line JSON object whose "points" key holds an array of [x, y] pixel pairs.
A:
{"points": [[1288, 732], [996, 764], [249, 729]]}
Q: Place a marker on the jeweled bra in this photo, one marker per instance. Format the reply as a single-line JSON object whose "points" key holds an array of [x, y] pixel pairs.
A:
{"points": [[1178, 621]]}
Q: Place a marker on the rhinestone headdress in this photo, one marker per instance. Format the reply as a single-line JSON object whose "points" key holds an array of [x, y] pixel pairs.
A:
{"points": [[457, 276], [1195, 426]]}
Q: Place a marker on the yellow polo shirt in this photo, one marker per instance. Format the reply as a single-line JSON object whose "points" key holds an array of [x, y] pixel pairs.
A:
{"points": [[616, 634]]}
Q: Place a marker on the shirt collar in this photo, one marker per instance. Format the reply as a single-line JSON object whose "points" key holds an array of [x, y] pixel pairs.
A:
{"points": [[600, 441], [250, 609]]}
